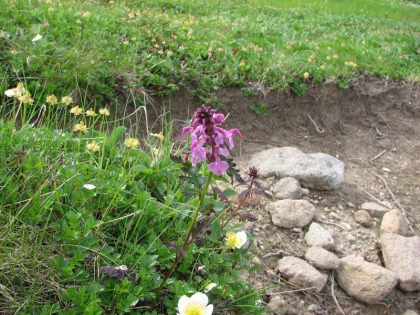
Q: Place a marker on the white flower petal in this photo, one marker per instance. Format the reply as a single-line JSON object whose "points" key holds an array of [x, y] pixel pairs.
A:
{"points": [[9, 93], [89, 186], [37, 37], [209, 310], [209, 287], [200, 298], [242, 236], [182, 304]]}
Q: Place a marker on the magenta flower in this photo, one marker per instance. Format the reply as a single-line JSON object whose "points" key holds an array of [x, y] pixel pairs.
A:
{"points": [[208, 139]]}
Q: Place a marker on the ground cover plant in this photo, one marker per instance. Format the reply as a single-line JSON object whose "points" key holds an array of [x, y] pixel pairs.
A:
{"points": [[95, 218]]}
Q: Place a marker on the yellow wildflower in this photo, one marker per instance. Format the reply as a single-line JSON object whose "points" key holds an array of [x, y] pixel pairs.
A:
{"points": [[306, 75], [67, 100], [78, 21], [52, 99], [159, 135], [13, 51], [169, 52], [90, 112], [86, 14], [335, 56], [76, 110], [50, 9], [26, 98], [80, 127], [132, 142], [104, 111], [93, 146]]}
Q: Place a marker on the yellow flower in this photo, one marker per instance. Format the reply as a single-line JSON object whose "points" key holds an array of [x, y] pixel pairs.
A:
{"points": [[26, 98], [47, 1], [328, 57], [16, 92], [67, 100], [125, 42], [306, 75], [159, 135], [52, 99], [236, 239], [93, 146], [90, 112], [335, 56], [346, 63], [104, 111], [13, 51], [50, 9], [132, 142], [76, 110], [80, 127], [169, 52], [380, 57], [160, 51], [86, 14], [78, 21], [322, 66], [195, 305]]}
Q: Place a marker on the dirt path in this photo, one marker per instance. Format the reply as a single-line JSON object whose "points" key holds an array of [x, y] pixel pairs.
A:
{"points": [[373, 127]]}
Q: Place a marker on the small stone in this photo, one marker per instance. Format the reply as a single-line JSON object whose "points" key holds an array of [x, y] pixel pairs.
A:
{"points": [[351, 237], [252, 201], [340, 206], [346, 225], [316, 202], [297, 230], [291, 213], [276, 303], [321, 258], [287, 188], [350, 205], [318, 236], [299, 272], [305, 191], [256, 261], [313, 308], [334, 215], [402, 255], [366, 282], [374, 209], [324, 202], [410, 312], [394, 221], [385, 169], [363, 217]]}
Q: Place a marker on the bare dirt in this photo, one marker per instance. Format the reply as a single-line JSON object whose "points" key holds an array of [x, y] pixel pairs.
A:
{"points": [[373, 127]]}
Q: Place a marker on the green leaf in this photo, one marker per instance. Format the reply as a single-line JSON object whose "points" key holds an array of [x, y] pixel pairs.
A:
{"points": [[229, 193]]}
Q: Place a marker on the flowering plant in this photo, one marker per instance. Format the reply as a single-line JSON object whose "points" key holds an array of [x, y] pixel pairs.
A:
{"points": [[208, 139]]}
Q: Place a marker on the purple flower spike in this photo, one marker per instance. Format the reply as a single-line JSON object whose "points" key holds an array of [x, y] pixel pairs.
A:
{"points": [[208, 139]]}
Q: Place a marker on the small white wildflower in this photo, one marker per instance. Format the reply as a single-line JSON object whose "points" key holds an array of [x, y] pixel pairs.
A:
{"points": [[89, 186]]}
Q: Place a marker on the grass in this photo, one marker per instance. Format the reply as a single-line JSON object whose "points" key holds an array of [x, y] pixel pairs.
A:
{"points": [[107, 48], [57, 231]]}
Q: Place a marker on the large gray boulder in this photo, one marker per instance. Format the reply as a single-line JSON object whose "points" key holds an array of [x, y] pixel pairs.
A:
{"points": [[291, 213], [299, 272], [402, 255], [366, 282], [317, 171]]}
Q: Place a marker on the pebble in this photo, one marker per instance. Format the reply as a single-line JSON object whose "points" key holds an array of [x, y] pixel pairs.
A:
{"points": [[346, 225], [316, 202], [324, 202], [350, 237], [385, 169], [334, 215], [350, 205], [313, 308]]}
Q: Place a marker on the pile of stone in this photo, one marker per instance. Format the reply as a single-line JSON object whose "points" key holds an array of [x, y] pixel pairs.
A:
{"points": [[365, 281]]}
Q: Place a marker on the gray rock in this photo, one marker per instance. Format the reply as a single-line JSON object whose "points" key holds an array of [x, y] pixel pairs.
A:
{"points": [[374, 209], [276, 303], [299, 272], [394, 221], [365, 281], [321, 258], [402, 255], [291, 213], [316, 170], [287, 188], [318, 236], [363, 217], [410, 312], [305, 191]]}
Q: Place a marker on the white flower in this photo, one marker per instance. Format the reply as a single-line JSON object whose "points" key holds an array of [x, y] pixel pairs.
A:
{"points": [[236, 239], [37, 37], [89, 186], [209, 287], [197, 305], [9, 93]]}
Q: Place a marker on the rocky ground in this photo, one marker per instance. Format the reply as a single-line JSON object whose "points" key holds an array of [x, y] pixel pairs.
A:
{"points": [[344, 242]]}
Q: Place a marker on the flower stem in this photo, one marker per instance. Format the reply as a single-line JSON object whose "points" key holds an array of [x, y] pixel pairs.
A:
{"points": [[218, 257], [186, 241], [236, 210]]}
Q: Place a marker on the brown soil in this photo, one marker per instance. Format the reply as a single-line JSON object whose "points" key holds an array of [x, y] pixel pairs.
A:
{"points": [[374, 118]]}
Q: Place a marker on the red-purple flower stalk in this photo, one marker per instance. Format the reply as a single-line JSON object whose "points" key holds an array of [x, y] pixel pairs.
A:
{"points": [[208, 139]]}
